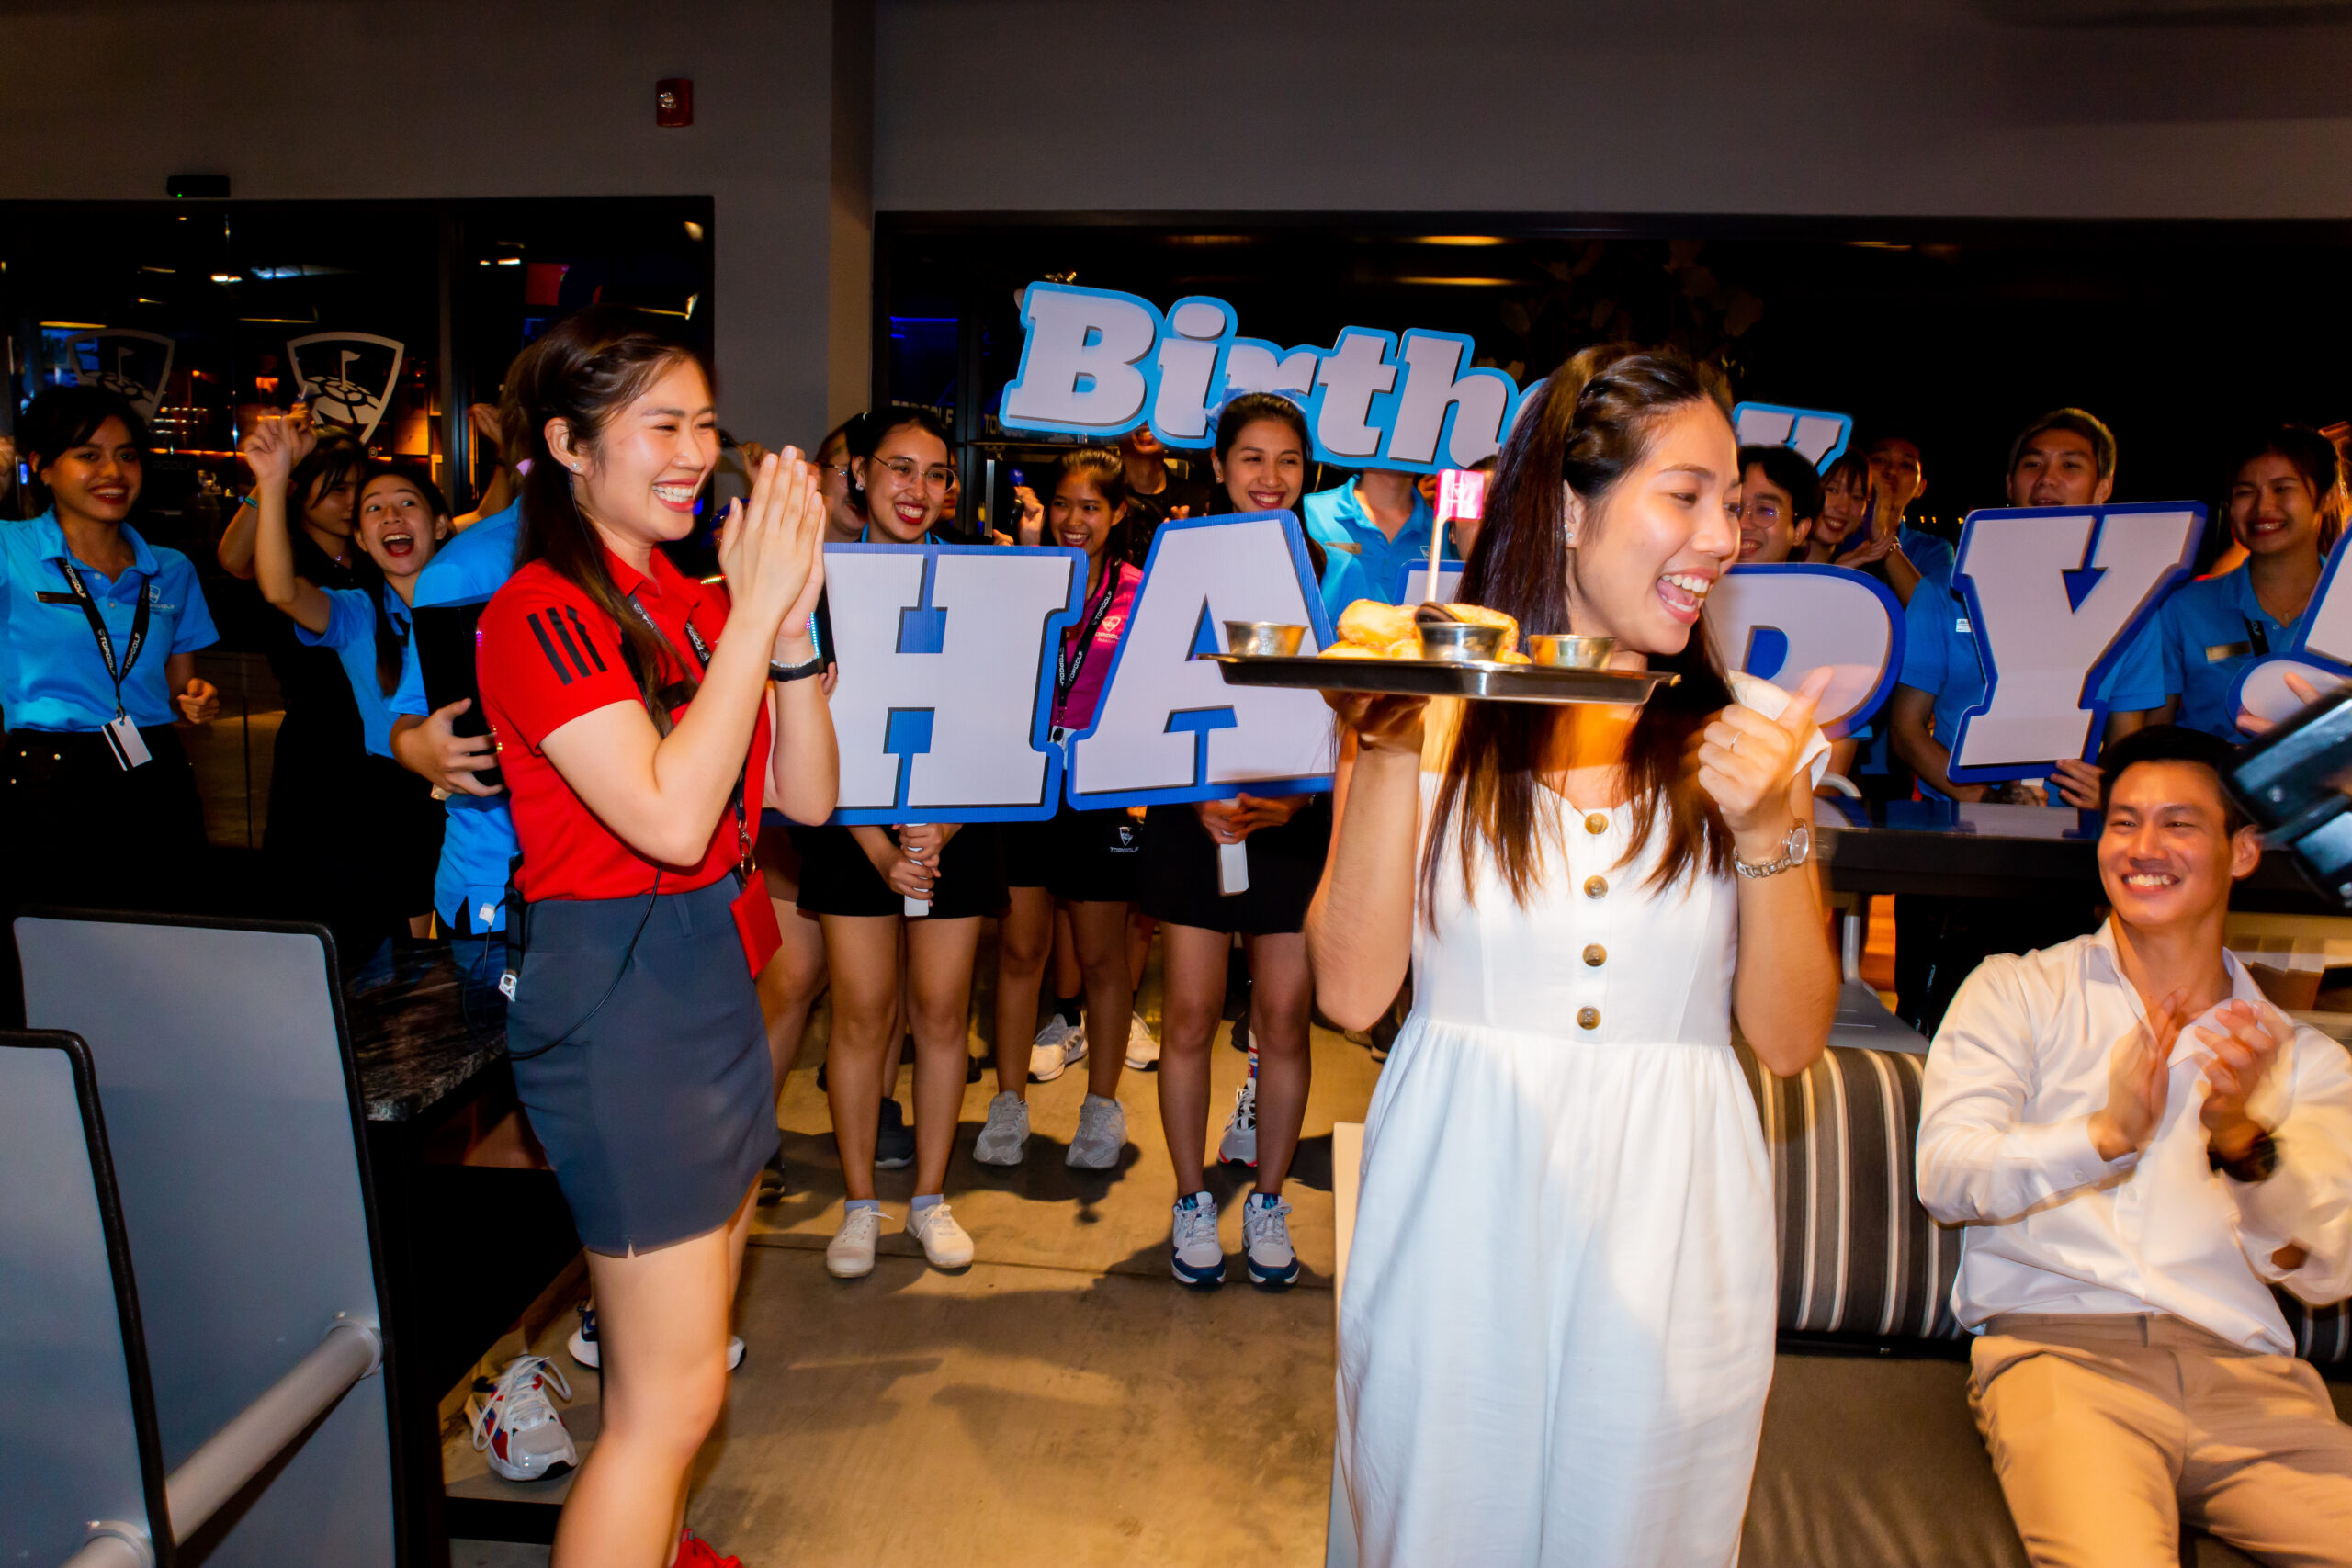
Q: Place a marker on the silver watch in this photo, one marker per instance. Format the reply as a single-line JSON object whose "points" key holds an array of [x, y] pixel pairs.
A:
{"points": [[1795, 850]]}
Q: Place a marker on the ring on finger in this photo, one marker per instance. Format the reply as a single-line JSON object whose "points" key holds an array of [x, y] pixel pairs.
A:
{"points": [[1736, 737]]}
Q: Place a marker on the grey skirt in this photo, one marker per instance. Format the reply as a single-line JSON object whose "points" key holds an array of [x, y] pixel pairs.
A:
{"points": [[646, 1079]]}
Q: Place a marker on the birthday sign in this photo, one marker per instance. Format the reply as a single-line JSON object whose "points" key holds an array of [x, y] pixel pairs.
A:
{"points": [[1782, 622], [1098, 362], [947, 658], [2054, 597], [944, 696]]}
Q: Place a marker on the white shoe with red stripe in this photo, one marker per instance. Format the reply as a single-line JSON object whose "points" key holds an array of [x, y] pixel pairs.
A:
{"points": [[515, 1428]]}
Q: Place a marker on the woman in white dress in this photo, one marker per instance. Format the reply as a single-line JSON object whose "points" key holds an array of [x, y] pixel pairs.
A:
{"points": [[1556, 1332]]}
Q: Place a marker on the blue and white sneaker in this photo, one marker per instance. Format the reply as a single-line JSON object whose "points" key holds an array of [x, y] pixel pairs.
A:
{"points": [[515, 1428], [1197, 1257], [582, 1346], [1265, 1241]]}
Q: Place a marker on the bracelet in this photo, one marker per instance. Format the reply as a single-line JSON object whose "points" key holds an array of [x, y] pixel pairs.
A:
{"points": [[781, 673]]}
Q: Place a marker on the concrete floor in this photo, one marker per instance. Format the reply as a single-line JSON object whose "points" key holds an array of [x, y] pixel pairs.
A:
{"points": [[1062, 1400]]}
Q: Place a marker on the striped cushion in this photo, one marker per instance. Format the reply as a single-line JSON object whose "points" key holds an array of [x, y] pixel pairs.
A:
{"points": [[1858, 1256], [2323, 1334]]}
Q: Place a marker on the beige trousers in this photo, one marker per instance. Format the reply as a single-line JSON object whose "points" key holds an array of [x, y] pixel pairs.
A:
{"points": [[2108, 1431]]}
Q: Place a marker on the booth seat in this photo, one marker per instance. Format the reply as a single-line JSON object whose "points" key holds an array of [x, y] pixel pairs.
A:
{"points": [[1869, 1456]]}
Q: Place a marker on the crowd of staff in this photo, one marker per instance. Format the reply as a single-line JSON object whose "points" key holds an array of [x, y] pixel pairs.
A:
{"points": [[616, 814]]}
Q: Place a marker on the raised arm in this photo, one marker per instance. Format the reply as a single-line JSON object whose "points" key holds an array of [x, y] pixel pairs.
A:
{"points": [[663, 794], [1784, 989], [1360, 927], [804, 763], [273, 450], [1979, 1160], [2269, 1075]]}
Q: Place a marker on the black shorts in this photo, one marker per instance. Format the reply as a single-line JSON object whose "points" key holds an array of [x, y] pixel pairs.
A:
{"points": [[1177, 882], [837, 879], [646, 1081], [86, 832], [1088, 857]]}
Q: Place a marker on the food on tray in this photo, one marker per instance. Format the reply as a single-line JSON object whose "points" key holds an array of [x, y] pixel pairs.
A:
{"points": [[1370, 629], [1479, 615]]}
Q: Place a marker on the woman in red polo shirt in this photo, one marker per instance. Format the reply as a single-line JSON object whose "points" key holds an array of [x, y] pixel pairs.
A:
{"points": [[633, 709]]}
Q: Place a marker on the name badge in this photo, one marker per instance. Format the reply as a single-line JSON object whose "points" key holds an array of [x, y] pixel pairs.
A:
{"points": [[1962, 626], [1343, 550], [2222, 651], [128, 746]]}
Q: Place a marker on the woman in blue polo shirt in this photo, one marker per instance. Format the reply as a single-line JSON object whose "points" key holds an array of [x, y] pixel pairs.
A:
{"points": [[386, 869], [98, 634], [2284, 508]]}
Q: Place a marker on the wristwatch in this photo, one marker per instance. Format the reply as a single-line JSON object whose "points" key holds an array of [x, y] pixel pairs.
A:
{"points": [[1795, 850], [796, 672], [2258, 1163]]}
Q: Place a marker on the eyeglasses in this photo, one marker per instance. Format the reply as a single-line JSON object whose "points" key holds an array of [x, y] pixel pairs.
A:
{"points": [[1763, 514], [939, 476]]}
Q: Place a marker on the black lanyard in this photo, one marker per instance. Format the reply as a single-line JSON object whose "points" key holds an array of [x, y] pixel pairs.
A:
{"points": [[681, 692], [1066, 669], [2257, 637], [99, 627]]}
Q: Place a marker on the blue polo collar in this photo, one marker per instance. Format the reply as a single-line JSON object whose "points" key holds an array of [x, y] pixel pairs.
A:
{"points": [[1351, 511], [51, 537]]}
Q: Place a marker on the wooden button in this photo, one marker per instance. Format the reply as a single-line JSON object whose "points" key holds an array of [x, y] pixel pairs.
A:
{"points": [[1596, 955], [1595, 823], [1594, 886], [1588, 1018]]}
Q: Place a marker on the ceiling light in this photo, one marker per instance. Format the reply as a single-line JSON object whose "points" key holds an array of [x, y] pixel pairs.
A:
{"points": [[225, 277], [75, 326], [1460, 240], [694, 230], [1463, 282]]}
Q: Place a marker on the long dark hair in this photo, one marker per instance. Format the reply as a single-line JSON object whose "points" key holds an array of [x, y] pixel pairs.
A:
{"points": [[1239, 414], [586, 369], [1590, 424], [2313, 455], [368, 578], [1107, 472]]}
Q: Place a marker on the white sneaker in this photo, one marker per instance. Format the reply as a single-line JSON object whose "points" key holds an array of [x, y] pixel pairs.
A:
{"points": [[584, 1350], [1265, 1240], [515, 1428], [1197, 1256], [1143, 1046], [1006, 1137], [1239, 1145], [1058, 1046], [850, 1254], [946, 1243], [1101, 1134]]}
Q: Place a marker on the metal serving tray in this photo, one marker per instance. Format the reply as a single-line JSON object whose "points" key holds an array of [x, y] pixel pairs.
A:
{"points": [[1436, 678]]}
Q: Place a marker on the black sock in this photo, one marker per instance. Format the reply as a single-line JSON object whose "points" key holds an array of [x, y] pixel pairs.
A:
{"points": [[1066, 1008]]}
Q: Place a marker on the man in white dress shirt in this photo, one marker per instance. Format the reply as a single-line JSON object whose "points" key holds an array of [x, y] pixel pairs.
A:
{"points": [[2138, 1145]]}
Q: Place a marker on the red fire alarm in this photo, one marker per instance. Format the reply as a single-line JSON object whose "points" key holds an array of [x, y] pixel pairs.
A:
{"points": [[673, 102]]}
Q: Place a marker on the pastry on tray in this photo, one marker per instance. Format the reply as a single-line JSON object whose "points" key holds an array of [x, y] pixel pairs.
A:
{"points": [[1370, 629]]}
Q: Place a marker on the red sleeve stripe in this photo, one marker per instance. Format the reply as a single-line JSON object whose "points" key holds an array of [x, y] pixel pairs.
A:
{"points": [[555, 660], [585, 641]]}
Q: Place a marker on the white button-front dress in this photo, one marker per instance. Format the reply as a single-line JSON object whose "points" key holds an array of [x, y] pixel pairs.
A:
{"points": [[1556, 1332]]}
